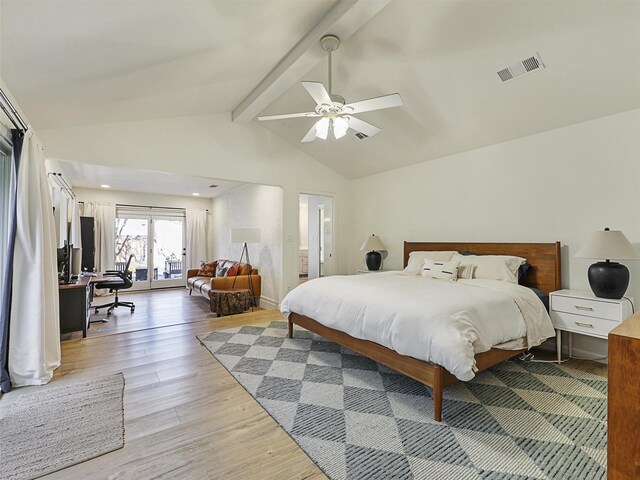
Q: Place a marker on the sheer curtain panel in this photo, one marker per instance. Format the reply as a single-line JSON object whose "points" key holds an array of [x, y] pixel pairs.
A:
{"points": [[75, 237], [34, 333], [104, 216], [196, 226]]}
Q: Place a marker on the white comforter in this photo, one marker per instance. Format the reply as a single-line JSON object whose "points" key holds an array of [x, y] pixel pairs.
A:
{"points": [[441, 322]]}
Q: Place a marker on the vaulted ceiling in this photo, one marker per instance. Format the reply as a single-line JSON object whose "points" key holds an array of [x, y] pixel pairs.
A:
{"points": [[74, 62]]}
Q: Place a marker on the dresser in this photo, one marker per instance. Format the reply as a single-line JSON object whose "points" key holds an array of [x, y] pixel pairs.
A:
{"points": [[623, 441], [582, 312]]}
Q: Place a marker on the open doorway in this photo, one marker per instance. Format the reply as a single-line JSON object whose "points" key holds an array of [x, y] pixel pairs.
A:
{"points": [[315, 250]]}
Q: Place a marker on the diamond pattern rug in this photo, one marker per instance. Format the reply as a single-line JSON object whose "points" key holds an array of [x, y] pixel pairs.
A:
{"points": [[357, 419]]}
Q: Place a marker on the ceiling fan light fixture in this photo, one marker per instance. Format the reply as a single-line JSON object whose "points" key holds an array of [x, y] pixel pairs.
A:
{"points": [[336, 114], [340, 127], [322, 128]]}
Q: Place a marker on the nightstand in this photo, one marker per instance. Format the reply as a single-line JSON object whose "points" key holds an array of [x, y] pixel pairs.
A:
{"points": [[582, 312], [364, 272]]}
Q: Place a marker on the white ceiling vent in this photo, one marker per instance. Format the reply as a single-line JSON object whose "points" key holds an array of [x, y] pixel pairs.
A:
{"points": [[523, 67]]}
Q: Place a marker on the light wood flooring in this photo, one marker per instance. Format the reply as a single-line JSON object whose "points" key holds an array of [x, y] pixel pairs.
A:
{"points": [[154, 308], [185, 416]]}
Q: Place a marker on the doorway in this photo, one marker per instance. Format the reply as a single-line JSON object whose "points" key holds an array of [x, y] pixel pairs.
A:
{"points": [[157, 243], [316, 256]]}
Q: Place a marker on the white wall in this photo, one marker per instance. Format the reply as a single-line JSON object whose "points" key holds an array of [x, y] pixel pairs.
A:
{"points": [[212, 146], [252, 206], [154, 200], [558, 185]]}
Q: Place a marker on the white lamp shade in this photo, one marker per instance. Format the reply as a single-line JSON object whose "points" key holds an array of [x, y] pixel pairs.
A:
{"points": [[245, 235], [608, 244], [372, 244]]}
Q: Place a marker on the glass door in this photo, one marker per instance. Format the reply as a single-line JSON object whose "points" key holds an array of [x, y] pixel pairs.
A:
{"points": [[168, 252], [157, 244], [132, 238]]}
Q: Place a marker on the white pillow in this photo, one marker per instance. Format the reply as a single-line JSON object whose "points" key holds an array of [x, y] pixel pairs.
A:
{"points": [[416, 259], [493, 267], [441, 270]]}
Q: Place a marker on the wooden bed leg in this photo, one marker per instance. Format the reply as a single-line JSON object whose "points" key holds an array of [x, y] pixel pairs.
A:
{"points": [[290, 328], [437, 394]]}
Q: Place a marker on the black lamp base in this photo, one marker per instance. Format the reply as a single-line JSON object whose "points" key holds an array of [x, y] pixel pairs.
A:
{"points": [[608, 279], [374, 260]]}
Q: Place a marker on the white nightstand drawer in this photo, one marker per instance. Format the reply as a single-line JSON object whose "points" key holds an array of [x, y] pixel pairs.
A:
{"points": [[587, 307], [597, 327]]}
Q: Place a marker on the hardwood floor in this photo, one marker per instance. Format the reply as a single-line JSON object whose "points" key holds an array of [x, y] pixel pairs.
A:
{"points": [[154, 308], [185, 416]]}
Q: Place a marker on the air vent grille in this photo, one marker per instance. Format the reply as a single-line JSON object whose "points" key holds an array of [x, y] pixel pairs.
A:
{"points": [[523, 67], [505, 75], [361, 135], [530, 64]]}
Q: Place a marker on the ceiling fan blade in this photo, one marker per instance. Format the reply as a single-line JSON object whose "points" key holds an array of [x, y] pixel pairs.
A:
{"points": [[288, 115], [378, 103], [318, 92], [311, 134], [363, 127]]}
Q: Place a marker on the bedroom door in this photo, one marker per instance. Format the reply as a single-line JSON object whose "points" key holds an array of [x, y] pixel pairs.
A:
{"points": [[320, 233]]}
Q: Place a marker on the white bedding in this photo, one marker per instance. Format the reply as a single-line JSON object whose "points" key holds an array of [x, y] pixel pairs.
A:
{"points": [[445, 323]]}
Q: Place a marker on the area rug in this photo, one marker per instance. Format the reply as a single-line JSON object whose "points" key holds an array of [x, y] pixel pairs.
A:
{"points": [[357, 419], [53, 428]]}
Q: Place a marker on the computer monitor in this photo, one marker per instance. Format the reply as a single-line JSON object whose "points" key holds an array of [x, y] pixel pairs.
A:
{"points": [[76, 261], [64, 263]]}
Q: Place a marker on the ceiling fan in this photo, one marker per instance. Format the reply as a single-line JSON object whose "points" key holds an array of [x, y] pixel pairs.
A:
{"points": [[336, 115]]}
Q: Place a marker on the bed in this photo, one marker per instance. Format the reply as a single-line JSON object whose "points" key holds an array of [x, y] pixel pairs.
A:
{"points": [[544, 275]]}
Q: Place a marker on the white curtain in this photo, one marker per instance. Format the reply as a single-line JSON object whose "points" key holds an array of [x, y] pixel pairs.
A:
{"points": [[34, 336], [196, 226], [74, 232], [104, 216], [61, 205]]}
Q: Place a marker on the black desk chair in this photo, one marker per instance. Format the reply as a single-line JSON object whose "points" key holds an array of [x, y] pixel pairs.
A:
{"points": [[116, 280]]}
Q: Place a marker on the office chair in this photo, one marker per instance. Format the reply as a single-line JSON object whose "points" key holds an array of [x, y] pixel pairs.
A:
{"points": [[115, 281]]}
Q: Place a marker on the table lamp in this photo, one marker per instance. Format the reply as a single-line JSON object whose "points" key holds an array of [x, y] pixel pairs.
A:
{"points": [[608, 279], [372, 245]]}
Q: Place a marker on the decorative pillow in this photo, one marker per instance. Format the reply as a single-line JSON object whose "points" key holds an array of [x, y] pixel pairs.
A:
{"points": [[233, 270], [416, 259], [441, 270], [207, 269], [221, 271], [466, 271], [493, 267]]}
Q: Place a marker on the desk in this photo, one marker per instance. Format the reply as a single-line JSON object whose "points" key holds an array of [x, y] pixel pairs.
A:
{"points": [[75, 305]]}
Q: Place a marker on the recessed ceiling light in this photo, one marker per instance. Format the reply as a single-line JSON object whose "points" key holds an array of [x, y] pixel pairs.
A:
{"points": [[195, 194], [105, 186]]}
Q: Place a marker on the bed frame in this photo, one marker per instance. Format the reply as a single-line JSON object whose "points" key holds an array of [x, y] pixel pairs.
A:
{"points": [[544, 274]]}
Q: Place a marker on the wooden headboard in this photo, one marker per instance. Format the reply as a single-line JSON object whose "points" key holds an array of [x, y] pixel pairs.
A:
{"points": [[543, 257]]}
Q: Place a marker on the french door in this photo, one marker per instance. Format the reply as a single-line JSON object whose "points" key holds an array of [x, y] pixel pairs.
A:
{"points": [[157, 243]]}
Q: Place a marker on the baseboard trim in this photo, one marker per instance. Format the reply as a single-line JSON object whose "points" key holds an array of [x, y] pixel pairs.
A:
{"points": [[267, 302]]}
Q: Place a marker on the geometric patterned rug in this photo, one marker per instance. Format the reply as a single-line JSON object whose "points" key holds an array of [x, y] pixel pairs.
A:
{"points": [[357, 419]]}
